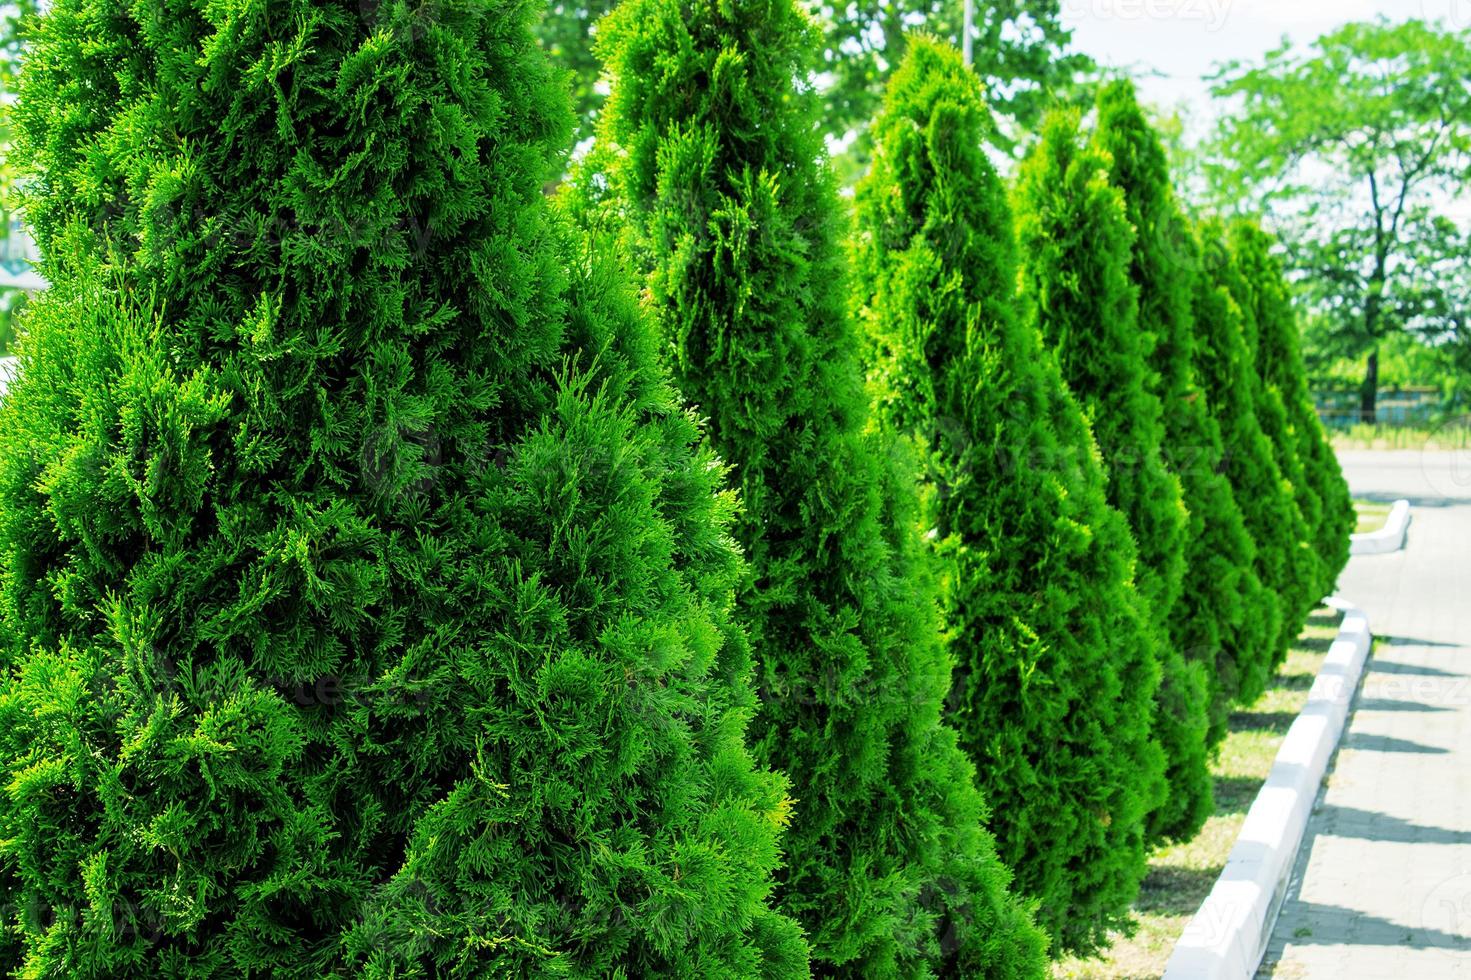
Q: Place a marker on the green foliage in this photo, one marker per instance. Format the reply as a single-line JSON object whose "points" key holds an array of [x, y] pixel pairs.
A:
{"points": [[368, 592], [1253, 296], [1056, 680], [1322, 492], [16, 17], [568, 30], [1350, 146], [1020, 53], [12, 304], [1405, 361], [1214, 621], [733, 216], [1077, 243], [1227, 371], [1246, 284]]}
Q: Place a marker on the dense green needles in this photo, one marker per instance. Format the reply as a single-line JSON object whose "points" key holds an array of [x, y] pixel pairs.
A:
{"points": [[1216, 619], [367, 591], [733, 217], [1228, 376], [1249, 286], [1077, 242], [1056, 682], [1329, 508], [406, 575]]}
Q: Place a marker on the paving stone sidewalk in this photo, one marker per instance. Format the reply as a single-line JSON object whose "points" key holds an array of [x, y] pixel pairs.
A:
{"points": [[1382, 886]]}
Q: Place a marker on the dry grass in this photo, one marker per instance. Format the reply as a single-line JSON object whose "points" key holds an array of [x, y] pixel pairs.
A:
{"points": [[1372, 515], [1181, 876]]}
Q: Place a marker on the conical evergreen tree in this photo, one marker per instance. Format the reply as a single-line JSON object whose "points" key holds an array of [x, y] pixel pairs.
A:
{"points": [[1215, 620], [1077, 243], [368, 594], [1251, 290], [713, 152], [1056, 681], [1228, 374], [1280, 367]]}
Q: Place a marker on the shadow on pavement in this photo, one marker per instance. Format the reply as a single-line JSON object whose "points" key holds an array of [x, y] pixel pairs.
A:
{"points": [[1391, 704], [1386, 743], [1335, 926], [1378, 666], [1345, 821]]}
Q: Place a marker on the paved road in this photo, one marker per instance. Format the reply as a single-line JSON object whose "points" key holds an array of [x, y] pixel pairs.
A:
{"points": [[1382, 887]]}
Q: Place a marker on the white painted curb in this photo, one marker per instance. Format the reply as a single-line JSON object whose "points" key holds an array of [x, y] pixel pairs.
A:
{"points": [[1390, 537], [1228, 936]]}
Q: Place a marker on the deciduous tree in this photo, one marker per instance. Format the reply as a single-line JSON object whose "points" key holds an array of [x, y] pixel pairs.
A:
{"points": [[1349, 146]]}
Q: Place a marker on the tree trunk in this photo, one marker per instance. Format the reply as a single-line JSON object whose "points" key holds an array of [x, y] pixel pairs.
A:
{"points": [[1369, 392]]}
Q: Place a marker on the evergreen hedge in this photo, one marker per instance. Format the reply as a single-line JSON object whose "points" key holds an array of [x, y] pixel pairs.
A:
{"points": [[1055, 688], [1227, 371], [1248, 287], [1330, 510], [711, 146], [1077, 244], [368, 594], [1215, 619]]}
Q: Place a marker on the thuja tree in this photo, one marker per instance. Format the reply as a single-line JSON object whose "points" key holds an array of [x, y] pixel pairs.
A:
{"points": [[1077, 242], [1250, 290], [1304, 568], [368, 594], [1329, 509], [1055, 685], [1215, 619], [1227, 372], [732, 215]]}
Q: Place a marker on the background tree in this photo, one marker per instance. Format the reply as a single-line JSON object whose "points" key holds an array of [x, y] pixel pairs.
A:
{"points": [[1436, 305], [734, 218], [1350, 148], [568, 30], [1020, 53], [367, 593], [1215, 619], [1055, 687], [1228, 374], [1077, 242], [15, 19]]}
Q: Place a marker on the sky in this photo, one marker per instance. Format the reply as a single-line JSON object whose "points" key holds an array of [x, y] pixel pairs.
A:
{"points": [[1171, 44]]}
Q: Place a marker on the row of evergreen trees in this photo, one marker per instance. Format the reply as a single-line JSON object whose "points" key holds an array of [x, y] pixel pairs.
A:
{"points": [[1046, 473], [388, 590]]}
